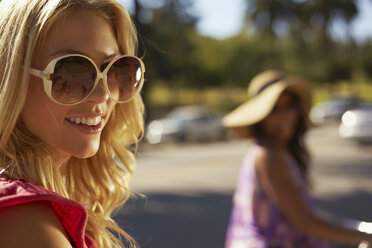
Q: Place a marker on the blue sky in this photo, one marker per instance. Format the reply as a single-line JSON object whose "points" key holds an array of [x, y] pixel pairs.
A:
{"points": [[224, 18]]}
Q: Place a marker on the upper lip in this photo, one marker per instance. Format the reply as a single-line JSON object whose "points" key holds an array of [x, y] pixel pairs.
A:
{"points": [[88, 115]]}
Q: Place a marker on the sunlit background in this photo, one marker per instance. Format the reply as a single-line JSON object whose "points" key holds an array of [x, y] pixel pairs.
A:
{"points": [[196, 49], [224, 18], [200, 56]]}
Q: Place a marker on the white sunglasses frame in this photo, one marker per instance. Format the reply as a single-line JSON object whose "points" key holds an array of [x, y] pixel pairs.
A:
{"points": [[49, 69]]}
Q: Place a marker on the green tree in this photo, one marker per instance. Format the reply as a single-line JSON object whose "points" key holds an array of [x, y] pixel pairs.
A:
{"points": [[323, 14], [308, 25], [269, 18], [165, 38], [267, 15]]}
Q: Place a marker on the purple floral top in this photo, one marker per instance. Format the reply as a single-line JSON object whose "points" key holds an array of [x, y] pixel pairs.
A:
{"points": [[255, 220]]}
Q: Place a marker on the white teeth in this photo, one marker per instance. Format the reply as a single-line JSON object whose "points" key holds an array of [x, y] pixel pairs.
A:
{"points": [[89, 121], [93, 121], [77, 120]]}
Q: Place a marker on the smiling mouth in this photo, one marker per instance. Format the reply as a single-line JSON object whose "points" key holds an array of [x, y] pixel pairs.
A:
{"points": [[89, 121], [87, 125]]}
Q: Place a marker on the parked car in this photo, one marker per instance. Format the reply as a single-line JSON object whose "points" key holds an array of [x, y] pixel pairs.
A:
{"points": [[333, 109], [186, 123], [356, 124]]}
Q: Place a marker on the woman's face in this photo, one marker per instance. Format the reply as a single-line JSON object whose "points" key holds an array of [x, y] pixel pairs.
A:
{"points": [[281, 123], [84, 33]]}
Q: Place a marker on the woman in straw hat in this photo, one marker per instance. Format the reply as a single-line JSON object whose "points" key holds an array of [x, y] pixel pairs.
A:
{"points": [[272, 206]]}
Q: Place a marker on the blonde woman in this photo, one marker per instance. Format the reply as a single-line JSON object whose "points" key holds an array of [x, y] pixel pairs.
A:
{"points": [[69, 104], [272, 207]]}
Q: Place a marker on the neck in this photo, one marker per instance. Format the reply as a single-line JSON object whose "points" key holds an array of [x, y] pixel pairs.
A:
{"points": [[61, 159]]}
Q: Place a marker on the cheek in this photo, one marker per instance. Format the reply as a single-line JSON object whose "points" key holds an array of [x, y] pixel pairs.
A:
{"points": [[293, 116], [40, 115], [269, 124], [110, 108]]}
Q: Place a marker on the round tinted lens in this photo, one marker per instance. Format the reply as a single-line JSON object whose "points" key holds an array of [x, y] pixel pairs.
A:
{"points": [[124, 78], [73, 79]]}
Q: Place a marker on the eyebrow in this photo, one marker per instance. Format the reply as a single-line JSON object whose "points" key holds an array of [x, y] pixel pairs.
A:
{"points": [[72, 51]]}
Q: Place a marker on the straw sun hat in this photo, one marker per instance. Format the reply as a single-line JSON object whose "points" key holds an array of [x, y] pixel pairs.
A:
{"points": [[263, 92]]}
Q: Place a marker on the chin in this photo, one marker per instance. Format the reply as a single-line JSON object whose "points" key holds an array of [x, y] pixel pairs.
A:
{"points": [[82, 156], [85, 150], [85, 154]]}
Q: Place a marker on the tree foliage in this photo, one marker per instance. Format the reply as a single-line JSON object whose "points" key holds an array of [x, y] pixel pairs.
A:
{"points": [[292, 35]]}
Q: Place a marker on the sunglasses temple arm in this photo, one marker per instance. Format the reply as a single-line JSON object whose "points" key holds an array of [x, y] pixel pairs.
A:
{"points": [[39, 73]]}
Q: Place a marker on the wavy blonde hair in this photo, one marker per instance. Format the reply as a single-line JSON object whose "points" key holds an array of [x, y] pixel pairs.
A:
{"points": [[99, 182]]}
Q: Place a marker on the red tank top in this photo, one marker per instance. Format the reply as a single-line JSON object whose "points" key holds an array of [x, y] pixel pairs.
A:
{"points": [[72, 214]]}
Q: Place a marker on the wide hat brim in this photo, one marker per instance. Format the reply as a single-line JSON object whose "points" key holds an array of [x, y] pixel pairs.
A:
{"points": [[258, 107]]}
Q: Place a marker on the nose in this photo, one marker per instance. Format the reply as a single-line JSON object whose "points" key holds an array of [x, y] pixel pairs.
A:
{"points": [[99, 94]]}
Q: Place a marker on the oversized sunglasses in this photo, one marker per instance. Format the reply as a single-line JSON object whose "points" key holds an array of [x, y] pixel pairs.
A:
{"points": [[70, 79]]}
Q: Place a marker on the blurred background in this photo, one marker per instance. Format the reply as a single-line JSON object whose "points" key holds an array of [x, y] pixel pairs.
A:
{"points": [[200, 56]]}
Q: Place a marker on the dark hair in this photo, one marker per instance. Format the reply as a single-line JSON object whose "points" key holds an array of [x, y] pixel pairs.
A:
{"points": [[296, 145]]}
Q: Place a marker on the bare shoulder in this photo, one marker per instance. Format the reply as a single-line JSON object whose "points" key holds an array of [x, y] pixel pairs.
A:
{"points": [[31, 225], [268, 160], [273, 174]]}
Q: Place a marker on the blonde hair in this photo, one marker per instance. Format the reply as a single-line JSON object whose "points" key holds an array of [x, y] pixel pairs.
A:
{"points": [[98, 182]]}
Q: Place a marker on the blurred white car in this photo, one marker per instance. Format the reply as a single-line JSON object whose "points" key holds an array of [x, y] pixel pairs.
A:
{"points": [[332, 110], [186, 123], [356, 124]]}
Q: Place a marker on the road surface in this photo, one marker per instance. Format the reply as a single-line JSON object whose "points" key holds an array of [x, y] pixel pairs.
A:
{"points": [[189, 188]]}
